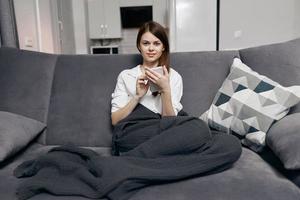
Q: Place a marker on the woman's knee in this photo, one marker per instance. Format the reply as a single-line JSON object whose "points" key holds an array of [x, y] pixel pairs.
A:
{"points": [[235, 147], [231, 145]]}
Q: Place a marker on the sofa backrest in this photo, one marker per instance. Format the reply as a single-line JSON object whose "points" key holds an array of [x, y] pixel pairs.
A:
{"points": [[25, 82], [280, 62], [72, 93], [203, 74], [79, 110]]}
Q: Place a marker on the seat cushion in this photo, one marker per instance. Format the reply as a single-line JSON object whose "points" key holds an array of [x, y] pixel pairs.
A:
{"points": [[251, 178], [9, 183]]}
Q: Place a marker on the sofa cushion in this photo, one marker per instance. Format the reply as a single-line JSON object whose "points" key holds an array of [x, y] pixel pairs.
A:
{"points": [[251, 178], [280, 62], [16, 132], [247, 104], [202, 74], [284, 139], [25, 82], [79, 111], [294, 176]]}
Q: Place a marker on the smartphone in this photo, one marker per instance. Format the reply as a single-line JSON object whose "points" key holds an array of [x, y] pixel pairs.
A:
{"points": [[154, 87]]}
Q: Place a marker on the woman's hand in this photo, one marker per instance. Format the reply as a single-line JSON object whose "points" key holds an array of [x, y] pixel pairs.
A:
{"points": [[142, 86], [162, 81]]}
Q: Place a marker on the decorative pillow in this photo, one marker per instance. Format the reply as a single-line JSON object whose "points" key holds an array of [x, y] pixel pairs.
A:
{"points": [[284, 139], [16, 131], [247, 104]]}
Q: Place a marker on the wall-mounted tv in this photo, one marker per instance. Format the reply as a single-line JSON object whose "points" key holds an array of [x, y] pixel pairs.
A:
{"points": [[135, 16]]}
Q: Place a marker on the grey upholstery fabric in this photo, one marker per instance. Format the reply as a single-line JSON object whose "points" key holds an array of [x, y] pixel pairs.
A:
{"points": [[203, 73], [9, 183], [241, 106], [284, 139], [79, 111], [280, 62], [269, 156], [25, 82], [249, 179], [8, 28], [16, 131], [80, 114], [294, 176]]}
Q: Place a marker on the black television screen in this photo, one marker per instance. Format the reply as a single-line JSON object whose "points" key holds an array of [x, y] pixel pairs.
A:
{"points": [[135, 16]]}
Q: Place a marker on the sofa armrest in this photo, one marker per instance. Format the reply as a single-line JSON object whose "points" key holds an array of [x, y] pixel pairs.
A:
{"points": [[283, 139]]}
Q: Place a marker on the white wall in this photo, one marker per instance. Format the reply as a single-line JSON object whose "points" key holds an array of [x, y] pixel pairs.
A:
{"points": [[297, 18], [128, 43], [34, 25], [26, 24], [192, 25], [124, 3], [246, 23], [160, 11], [80, 26], [45, 26]]}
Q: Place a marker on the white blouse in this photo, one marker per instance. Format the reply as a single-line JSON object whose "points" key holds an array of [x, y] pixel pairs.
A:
{"points": [[126, 88]]}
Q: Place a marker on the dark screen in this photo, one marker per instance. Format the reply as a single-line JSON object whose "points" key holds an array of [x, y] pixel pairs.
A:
{"points": [[135, 16]]}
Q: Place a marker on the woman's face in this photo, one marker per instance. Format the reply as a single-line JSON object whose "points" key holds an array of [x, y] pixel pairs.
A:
{"points": [[151, 49]]}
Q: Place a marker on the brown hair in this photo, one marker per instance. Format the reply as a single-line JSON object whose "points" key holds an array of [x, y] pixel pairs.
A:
{"points": [[158, 31]]}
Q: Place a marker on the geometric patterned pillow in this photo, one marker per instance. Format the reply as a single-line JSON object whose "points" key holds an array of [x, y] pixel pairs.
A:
{"points": [[247, 104]]}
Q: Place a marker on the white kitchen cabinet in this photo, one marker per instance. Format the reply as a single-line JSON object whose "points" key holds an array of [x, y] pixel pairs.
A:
{"points": [[104, 19]]}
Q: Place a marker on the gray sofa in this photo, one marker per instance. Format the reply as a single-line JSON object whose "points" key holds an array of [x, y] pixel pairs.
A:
{"points": [[71, 94]]}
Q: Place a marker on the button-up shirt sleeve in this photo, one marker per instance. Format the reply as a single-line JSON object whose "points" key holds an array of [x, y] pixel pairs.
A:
{"points": [[120, 96], [176, 92]]}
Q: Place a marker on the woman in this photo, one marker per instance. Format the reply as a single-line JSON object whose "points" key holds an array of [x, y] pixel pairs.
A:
{"points": [[133, 84], [158, 142]]}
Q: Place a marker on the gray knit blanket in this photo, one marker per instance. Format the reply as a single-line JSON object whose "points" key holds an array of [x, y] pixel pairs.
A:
{"points": [[148, 150]]}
